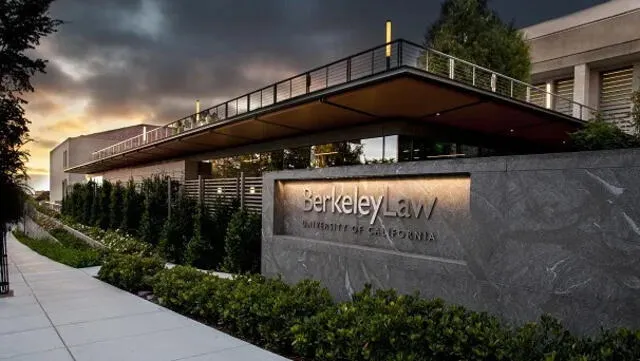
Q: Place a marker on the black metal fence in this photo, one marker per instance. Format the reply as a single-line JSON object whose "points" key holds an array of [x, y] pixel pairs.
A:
{"points": [[4, 263]]}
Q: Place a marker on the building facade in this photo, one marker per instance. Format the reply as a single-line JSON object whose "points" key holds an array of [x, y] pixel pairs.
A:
{"points": [[77, 150], [592, 57]]}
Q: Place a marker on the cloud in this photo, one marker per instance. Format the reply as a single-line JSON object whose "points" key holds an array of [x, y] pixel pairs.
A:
{"points": [[45, 143]]}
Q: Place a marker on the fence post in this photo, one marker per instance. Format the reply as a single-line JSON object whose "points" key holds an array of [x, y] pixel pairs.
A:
{"points": [[241, 189], [168, 196], [200, 190], [452, 67]]}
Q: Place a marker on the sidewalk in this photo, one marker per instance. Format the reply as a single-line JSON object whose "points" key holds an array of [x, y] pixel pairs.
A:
{"points": [[61, 313]]}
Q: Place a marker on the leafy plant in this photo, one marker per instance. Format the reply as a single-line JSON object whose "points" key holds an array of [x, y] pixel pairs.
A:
{"points": [[242, 243], [132, 209], [131, 273], [155, 209], [178, 229], [599, 134], [116, 205], [200, 251]]}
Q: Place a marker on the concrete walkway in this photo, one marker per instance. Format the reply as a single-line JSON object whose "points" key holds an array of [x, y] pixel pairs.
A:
{"points": [[61, 313]]}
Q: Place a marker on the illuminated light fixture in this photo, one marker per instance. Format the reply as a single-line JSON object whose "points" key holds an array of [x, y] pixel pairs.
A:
{"points": [[219, 190], [388, 39], [511, 130], [252, 190], [437, 114]]}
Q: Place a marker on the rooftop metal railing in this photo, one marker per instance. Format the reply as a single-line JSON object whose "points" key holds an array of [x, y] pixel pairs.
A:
{"points": [[383, 58]]}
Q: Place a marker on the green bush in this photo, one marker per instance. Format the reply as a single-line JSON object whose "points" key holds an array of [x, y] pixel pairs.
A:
{"points": [[178, 229], [386, 326], [254, 308], [242, 243], [537, 340], [78, 258], [155, 209], [116, 204], [102, 208], [201, 251], [132, 209], [131, 273], [599, 134]]}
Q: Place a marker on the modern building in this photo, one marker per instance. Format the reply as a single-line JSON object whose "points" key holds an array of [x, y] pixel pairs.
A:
{"points": [[401, 102], [77, 150], [592, 57]]}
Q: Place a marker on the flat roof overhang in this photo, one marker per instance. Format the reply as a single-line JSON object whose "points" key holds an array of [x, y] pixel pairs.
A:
{"points": [[406, 93]]}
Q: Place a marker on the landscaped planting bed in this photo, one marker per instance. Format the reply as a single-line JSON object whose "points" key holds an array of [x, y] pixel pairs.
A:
{"points": [[302, 321], [69, 251]]}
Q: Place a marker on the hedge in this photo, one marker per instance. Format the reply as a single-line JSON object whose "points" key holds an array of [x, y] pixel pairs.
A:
{"points": [[301, 321], [131, 273], [66, 254]]}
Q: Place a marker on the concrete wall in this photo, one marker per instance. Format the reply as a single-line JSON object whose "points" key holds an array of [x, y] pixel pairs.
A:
{"points": [[78, 151], [556, 233], [584, 44]]}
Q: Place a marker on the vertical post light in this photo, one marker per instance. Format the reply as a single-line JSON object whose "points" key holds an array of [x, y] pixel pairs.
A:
{"points": [[198, 110], [388, 42]]}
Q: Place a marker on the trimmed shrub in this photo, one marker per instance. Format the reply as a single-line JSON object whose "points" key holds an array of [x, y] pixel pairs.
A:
{"points": [[242, 243], [387, 326], [599, 134], [154, 213], [254, 308], [132, 209], [102, 208], [116, 205], [131, 273], [178, 229], [201, 251], [78, 258], [177, 289]]}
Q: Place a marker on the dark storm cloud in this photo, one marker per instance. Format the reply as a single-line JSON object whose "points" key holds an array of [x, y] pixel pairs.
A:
{"points": [[163, 54]]}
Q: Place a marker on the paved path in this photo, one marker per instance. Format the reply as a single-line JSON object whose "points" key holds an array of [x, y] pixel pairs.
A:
{"points": [[61, 313]]}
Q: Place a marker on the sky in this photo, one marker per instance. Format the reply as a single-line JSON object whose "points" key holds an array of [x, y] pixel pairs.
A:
{"points": [[115, 63]]}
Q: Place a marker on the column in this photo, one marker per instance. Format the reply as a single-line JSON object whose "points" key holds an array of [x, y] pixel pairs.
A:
{"points": [[581, 75], [549, 98]]}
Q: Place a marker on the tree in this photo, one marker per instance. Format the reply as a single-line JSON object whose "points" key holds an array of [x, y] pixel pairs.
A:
{"points": [[178, 228], [22, 24], [102, 207], [242, 243], [469, 30], [88, 203], [132, 209], [200, 251], [155, 208], [337, 154], [116, 205]]}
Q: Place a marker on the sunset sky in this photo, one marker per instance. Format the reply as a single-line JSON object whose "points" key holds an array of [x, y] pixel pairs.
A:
{"points": [[122, 62]]}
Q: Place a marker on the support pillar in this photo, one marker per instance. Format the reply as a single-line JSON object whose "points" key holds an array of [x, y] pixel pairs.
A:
{"points": [[581, 83]]}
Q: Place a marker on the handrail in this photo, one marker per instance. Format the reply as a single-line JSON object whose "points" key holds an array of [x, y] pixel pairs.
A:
{"points": [[366, 63]]}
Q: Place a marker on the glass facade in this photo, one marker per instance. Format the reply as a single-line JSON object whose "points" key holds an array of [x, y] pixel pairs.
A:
{"points": [[376, 150]]}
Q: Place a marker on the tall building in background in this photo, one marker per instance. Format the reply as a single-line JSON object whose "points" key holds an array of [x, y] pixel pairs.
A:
{"points": [[77, 150], [591, 56]]}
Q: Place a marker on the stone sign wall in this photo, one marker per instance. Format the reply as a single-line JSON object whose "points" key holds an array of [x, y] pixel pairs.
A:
{"points": [[516, 236]]}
